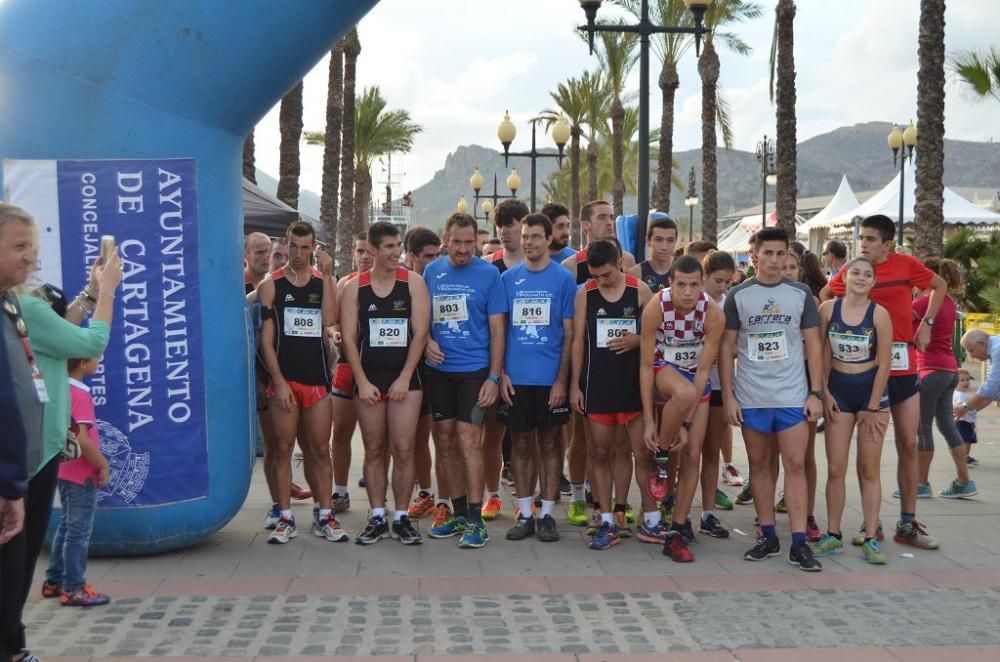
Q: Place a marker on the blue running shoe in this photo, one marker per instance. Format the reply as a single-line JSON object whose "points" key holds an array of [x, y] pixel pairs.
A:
{"points": [[605, 537], [453, 526], [923, 491], [475, 536], [959, 490]]}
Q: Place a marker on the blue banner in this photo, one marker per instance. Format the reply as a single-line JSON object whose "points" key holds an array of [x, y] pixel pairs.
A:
{"points": [[150, 391]]}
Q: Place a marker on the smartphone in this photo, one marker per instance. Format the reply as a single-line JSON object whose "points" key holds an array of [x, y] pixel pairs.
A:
{"points": [[107, 247]]}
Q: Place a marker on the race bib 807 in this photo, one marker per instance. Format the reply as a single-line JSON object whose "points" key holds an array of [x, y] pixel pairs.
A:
{"points": [[609, 329]]}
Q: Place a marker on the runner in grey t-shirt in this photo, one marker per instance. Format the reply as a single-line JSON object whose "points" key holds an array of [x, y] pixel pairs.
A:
{"points": [[769, 321]]}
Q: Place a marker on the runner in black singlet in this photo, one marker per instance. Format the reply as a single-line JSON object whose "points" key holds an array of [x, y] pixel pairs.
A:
{"points": [[661, 243]]}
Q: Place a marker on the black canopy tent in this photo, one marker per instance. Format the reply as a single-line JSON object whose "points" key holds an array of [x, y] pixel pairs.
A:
{"points": [[262, 212]]}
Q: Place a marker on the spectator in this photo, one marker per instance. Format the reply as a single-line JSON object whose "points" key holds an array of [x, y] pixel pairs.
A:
{"points": [[982, 346], [835, 255], [13, 468], [966, 424], [811, 273]]}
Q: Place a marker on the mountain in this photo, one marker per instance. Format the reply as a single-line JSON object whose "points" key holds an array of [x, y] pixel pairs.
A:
{"points": [[308, 200]]}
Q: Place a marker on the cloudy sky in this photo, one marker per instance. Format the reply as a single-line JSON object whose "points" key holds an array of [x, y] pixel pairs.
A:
{"points": [[456, 65]]}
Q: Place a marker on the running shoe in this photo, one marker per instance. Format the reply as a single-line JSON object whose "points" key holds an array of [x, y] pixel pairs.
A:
{"points": [[924, 491], [971, 461], [764, 548], [595, 522], [272, 517], [711, 526], [621, 521], [422, 504], [340, 503], [474, 536], [780, 507], [376, 529], [300, 493], [404, 532], [564, 486], [859, 539], [827, 546], [813, 533], [442, 513], [491, 508], [523, 528], [915, 535], [362, 482], [731, 476], [605, 537], [802, 556], [676, 548], [722, 500], [85, 597], [873, 552], [658, 483], [283, 531], [546, 530], [656, 535], [28, 656], [329, 528], [50, 590], [746, 496], [453, 526], [506, 477], [576, 514], [959, 490], [688, 532]]}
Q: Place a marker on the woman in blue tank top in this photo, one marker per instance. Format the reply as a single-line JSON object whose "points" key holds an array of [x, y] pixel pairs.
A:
{"points": [[857, 335]]}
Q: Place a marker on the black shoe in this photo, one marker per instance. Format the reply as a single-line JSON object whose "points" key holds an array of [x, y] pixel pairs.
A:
{"points": [[547, 529], [764, 549], [523, 528], [746, 496], [377, 529], [802, 556], [688, 533], [564, 486], [711, 526], [362, 482], [404, 532]]}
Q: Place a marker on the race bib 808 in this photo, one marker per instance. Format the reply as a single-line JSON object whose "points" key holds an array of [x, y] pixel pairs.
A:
{"points": [[303, 322]]}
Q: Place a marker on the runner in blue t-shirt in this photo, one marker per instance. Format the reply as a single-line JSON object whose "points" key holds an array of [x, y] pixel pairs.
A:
{"points": [[539, 295], [464, 357], [559, 249]]}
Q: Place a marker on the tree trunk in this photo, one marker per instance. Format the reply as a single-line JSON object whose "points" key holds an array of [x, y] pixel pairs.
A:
{"points": [[929, 211], [574, 173], [592, 150], [289, 167], [669, 82], [249, 162], [708, 69], [785, 154], [329, 198], [362, 197], [617, 156], [348, 227]]}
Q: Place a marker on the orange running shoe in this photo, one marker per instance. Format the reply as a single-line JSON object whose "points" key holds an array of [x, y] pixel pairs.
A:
{"points": [[422, 504], [492, 508], [442, 512]]}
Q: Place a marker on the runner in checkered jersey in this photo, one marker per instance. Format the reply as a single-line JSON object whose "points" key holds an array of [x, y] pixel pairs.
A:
{"points": [[681, 331]]}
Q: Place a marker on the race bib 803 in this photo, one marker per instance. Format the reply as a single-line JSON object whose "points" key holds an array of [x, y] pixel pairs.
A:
{"points": [[450, 308]]}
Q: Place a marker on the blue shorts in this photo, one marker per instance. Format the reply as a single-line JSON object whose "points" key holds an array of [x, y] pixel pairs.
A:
{"points": [[853, 391], [705, 396], [769, 420], [967, 430]]}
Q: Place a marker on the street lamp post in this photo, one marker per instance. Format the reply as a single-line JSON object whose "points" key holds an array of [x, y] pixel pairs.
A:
{"points": [[691, 201], [765, 155], [490, 200], [902, 144], [644, 29], [506, 132]]}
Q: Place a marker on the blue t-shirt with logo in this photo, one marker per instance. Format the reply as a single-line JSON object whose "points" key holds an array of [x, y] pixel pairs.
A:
{"points": [[462, 300], [565, 253], [537, 304]]}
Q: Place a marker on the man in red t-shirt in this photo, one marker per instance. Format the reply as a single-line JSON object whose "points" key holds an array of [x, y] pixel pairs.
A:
{"points": [[896, 276]]}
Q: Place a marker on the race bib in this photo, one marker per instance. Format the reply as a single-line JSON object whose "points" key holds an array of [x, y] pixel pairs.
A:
{"points": [[849, 347], [303, 322], [683, 355], [609, 329], [388, 332], [450, 308], [900, 356], [768, 346], [531, 312]]}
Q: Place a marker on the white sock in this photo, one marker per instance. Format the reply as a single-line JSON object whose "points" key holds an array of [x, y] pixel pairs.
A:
{"points": [[651, 519], [525, 504], [439, 501], [287, 514], [378, 512], [548, 507], [492, 495], [398, 515], [340, 489], [606, 517], [324, 512], [705, 514], [579, 491], [427, 490]]}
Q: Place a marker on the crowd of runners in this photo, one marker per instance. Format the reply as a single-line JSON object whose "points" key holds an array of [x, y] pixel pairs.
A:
{"points": [[519, 359]]}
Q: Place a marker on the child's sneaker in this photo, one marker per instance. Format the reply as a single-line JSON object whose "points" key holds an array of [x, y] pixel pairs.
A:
{"points": [[50, 590], [85, 597]]}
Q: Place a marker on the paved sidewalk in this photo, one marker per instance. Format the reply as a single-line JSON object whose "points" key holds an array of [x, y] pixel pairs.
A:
{"points": [[236, 596]]}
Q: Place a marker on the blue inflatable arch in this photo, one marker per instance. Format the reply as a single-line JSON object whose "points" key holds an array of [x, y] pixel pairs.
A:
{"points": [[147, 79]]}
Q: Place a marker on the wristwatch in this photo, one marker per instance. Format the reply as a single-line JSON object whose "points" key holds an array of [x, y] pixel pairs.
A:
{"points": [[929, 321], [495, 378], [819, 394]]}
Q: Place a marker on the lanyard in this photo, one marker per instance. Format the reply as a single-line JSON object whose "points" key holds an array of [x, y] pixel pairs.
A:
{"points": [[22, 330]]}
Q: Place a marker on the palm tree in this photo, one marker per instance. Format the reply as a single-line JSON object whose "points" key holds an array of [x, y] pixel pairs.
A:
{"points": [[979, 72], [330, 139], [249, 162], [349, 226], [929, 210], [290, 126], [377, 131], [617, 55], [785, 149], [571, 101], [597, 110], [713, 108]]}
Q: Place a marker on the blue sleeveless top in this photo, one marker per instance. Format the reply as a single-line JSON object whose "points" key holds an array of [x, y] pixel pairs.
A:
{"points": [[853, 343]]}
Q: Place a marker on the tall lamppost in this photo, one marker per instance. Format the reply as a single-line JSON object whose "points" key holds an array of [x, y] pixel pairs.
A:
{"points": [[463, 206], [506, 132], [768, 177], [902, 144], [644, 28], [490, 200], [691, 201]]}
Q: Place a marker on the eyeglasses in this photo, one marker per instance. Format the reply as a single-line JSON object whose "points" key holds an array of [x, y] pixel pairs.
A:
{"points": [[15, 317]]}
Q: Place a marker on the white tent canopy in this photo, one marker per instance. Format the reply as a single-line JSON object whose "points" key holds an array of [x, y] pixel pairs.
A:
{"points": [[843, 202], [734, 238]]}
